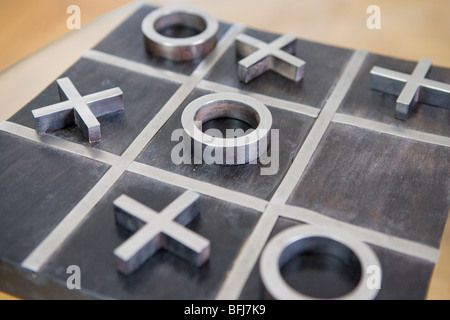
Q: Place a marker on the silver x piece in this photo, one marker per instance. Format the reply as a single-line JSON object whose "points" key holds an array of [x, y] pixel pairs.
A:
{"points": [[277, 56], [411, 89], [75, 109], [153, 231], [179, 49]]}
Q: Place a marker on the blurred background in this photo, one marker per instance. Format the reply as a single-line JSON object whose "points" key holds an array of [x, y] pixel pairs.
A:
{"points": [[410, 29], [34, 51]]}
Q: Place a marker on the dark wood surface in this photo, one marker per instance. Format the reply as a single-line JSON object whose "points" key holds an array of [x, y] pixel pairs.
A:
{"points": [[35, 179], [380, 182]]}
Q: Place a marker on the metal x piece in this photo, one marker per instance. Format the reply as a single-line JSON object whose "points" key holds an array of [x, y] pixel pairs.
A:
{"points": [[411, 89], [261, 57], [75, 109], [154, 231]]}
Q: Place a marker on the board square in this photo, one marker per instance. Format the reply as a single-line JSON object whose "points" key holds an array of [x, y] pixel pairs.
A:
{"points": [[143, 96], [379, 182], [127, 41], [363, 102], [323, 66], [292, 127], [31, 194], [404, 277], [92, 246]]}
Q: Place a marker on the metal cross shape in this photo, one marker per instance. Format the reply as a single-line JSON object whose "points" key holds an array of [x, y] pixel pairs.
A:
{"points": [[75, 109], [154, 231], [261, 57], [412, 88]]}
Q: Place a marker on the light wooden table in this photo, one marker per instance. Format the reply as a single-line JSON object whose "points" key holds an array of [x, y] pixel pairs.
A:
{"points": [[410, 29]]}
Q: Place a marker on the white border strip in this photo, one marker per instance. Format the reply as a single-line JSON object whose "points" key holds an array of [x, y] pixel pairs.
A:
{"points": [[271, 101], [392, 130], [202, 187], [133, 66], [393, 243], [60, 144]]}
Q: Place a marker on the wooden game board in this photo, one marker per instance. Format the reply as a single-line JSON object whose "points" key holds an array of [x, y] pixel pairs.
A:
{"points": [[345, 162]]}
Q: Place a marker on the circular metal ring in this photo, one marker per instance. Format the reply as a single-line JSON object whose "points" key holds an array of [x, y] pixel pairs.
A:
{"points": [[293, 241], [234, 150], [179, 49]]}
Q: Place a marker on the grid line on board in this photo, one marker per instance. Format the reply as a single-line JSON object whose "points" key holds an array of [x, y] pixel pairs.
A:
{"points": [[392, 130], [278, 103], [381, 239], [206, 188], [134, 66], [271, 101], [142, 169], [397, 244], [123, 163], [202, 187], [37, 259], [60, 144], [144, 69], [254, 245], [168, 177]]}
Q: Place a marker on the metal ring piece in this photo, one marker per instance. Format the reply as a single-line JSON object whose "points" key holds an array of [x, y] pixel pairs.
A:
{"points": [[300, 239], [234, 150], [179, 49]]}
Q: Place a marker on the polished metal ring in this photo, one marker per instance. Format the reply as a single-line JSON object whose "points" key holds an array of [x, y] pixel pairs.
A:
{"points": [[179, 49], [228, 150], [297, 240]]}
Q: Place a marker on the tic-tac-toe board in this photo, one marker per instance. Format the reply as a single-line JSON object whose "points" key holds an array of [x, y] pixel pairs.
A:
{"points": [[347, 169]]}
